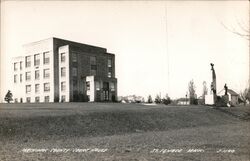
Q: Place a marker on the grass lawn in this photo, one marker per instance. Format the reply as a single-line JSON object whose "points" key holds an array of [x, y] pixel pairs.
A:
{"points": [[124, 131]]}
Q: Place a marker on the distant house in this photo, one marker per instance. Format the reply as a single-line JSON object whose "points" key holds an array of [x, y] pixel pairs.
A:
{"points": [[232, 95], [131, 99], [183, 101], [201, 100]]}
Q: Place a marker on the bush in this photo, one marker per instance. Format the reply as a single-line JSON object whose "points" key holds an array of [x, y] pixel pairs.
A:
{"points": [[222, 101], [193, 101], [166, 101], [157, 99], [8, 97]]}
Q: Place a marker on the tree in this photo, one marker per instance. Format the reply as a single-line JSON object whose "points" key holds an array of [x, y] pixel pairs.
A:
{"points": [[204, 90], [157, 99], [8, 97], [242, 30], [166, 100], [150, 99], [245, 95], [191, 89]]}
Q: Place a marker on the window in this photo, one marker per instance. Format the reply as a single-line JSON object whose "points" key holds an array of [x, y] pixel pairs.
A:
{"points": [[93, 66], [37, 88], [21, 77], [109, 74], [46, 73], [46, 58], [74, 57], [37, 99], [105, 86], [112, 86], [92, 72], [93, 60], [15, 78], [28, 61], [74, 83], [109, 67], [46, 99], [46, 87], [21, 65], [63, 98], [109, 62], [28, 99], [37, 74], [97, 85], [63, 56], [36, 59], [88, 85], [74, 72], [63, 86], [28, 88], [15, 66], [28, 76], [63, 72]]}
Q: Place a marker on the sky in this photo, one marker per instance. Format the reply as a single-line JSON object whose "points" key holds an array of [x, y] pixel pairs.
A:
{"points": [[159, 45]]}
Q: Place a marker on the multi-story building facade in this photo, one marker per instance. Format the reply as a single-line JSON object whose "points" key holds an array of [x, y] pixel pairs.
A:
{"points": [[57, 70]]}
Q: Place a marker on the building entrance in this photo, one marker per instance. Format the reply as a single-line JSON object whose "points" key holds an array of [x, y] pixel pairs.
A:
{"points": [[106, 91]]}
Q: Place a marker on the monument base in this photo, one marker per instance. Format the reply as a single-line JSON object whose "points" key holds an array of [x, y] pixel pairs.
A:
{"points": [[209, 99]]}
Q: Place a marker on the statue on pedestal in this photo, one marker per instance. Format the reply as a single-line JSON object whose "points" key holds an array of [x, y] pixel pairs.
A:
{"points": [[226, 88]]}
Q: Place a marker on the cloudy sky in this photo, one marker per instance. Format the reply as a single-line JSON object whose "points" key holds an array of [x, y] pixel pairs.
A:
{"points": [[159, 46]]}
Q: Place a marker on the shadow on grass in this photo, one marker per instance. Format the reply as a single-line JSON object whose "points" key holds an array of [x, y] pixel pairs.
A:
{"points": [[108, 123], [245, 116]]}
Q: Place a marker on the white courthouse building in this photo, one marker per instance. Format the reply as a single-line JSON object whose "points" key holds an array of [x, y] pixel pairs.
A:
{"points": [[57, 70]]}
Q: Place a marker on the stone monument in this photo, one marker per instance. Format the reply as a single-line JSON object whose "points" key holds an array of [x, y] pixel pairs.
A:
{"points": [[213, 83], [211, 97]]}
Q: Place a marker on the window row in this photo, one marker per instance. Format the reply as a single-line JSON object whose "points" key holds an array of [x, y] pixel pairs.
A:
{"points": [[46, 74], [63, 57], [37, 99], [28, 99], [106, 86], [46, 88], [16, 65], [46, 59], [63, 71]]}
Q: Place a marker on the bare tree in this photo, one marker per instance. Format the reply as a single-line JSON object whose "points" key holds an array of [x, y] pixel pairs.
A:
{"points": [[191, 89], [245, 95], [204, 90], [241, 30]]}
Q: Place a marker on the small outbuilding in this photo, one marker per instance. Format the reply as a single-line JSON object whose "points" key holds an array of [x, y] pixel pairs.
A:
{"points": [[232, 96], [183, 101]]}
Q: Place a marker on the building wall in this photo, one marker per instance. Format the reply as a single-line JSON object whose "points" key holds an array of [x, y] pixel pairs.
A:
{"points": [[64, 64], [37, 48], [234, 100], [19, 92], [77, 67]]}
